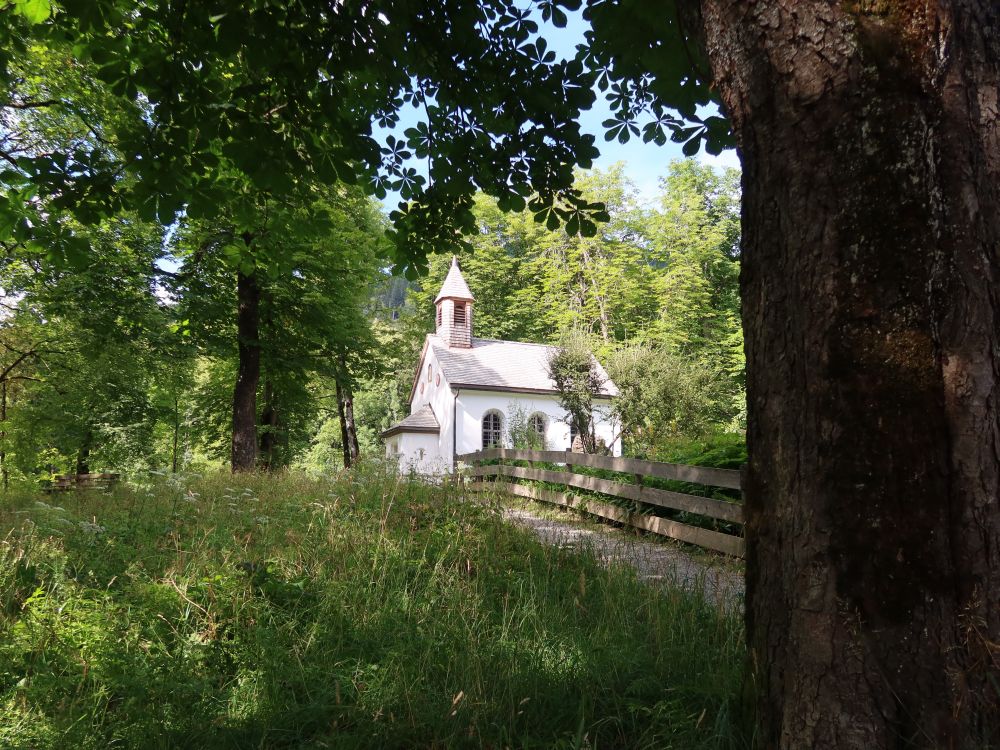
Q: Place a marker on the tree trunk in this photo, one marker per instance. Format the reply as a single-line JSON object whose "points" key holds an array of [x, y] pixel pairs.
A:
{"points": [[244, 446], [177, 431], [269, 431], [4, 474], [83, 455], [871, 311], [344, 438], [348, 429]]}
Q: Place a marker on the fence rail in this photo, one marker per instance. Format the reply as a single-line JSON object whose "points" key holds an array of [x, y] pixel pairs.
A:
{"points": [[707, 475], [69, 482], [642, 496]]}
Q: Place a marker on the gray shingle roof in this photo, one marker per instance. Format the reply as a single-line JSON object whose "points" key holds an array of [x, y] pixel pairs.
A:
{"points": [[502, 365], [454, 285], [422, 420]]}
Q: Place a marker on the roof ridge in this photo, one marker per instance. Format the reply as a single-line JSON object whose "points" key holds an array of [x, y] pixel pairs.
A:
{"points": [[505, 366], [522, 343]]}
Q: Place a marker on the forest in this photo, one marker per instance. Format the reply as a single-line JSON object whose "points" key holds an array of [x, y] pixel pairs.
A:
{"points": [[130, 364]]}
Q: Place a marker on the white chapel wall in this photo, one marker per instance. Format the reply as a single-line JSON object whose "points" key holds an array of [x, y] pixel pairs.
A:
{"points": [[473, 405], [418, 452], [434, 390]]}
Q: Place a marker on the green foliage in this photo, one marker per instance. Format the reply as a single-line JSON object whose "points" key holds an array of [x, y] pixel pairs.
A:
{"points": [[663, 281], [361, 612], [532, 283], [316, 264], [325, 453], [80, 350], [205, 79], [577, 379], [520, 432], [663, 395], [648, 59], [723, 451], [698, 227], [657, 290], [377, 406], [117, 116]]}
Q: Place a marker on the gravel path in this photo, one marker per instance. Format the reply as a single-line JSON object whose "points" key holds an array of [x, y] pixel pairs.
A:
{"points": [[658, 562]]}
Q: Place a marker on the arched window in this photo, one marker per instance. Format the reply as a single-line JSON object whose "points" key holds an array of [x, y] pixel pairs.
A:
{"points": [[492, 430], [438, 316], [428, 373], [537, 424], [459, 317]]}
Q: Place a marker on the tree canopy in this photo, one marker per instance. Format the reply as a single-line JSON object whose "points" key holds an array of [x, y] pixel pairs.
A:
{"points": [[163, 94]]}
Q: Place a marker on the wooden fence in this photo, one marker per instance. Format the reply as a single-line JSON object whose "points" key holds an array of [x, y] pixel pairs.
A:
{"points": [[68, 482], [634, 490]]}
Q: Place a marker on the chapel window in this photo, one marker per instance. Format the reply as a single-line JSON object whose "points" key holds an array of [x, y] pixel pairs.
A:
{"points": [[536, 422], [459, 318], [492, 430]]}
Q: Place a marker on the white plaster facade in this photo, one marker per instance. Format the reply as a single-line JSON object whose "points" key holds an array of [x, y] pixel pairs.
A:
{"points": [[417, 452], [460, 379]]}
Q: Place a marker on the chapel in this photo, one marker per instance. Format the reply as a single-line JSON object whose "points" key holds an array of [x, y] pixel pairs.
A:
{"points": [[466, 391]]}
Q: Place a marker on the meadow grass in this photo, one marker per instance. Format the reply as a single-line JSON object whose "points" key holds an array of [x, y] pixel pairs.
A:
{"points": [[345, 612]]}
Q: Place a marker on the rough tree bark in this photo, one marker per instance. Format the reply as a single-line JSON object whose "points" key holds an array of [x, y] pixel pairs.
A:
{"points": [[348, 429], [870, 145], [269, 425], [244, 445]]}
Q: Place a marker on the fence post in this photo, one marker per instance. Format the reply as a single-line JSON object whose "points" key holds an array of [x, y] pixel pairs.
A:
{"points": [[640, 506]]}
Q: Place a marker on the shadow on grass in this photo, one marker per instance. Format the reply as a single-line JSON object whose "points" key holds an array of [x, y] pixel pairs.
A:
{"points": [[349, 612]]}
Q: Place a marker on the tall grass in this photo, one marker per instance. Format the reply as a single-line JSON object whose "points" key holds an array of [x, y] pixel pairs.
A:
{"points": [[351, 612]]}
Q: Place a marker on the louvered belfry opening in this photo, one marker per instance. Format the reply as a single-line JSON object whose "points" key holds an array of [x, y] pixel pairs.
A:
{"points": [[454, 309]]}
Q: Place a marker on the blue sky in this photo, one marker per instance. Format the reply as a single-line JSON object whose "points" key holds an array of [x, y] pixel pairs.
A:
{"points": [[645, 163]]}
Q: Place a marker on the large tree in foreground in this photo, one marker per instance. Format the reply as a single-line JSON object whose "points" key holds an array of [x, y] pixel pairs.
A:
{"points": [[871, 290], [870, 142]]}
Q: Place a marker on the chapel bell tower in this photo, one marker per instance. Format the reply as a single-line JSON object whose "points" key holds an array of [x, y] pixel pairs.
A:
{"points": [[454, 309]]}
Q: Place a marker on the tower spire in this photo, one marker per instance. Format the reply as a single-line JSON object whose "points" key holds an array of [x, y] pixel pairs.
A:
{"points": [[454, 309]]}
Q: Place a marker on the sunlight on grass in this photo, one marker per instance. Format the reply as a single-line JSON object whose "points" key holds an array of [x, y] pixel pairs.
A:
{"points": [[359, 611]]}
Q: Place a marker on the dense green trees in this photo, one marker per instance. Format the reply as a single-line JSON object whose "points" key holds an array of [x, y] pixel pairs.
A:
{"points": [[133, 362], [199, 132], [287, 304], [82, 348], [291, 94], [655, 291]]}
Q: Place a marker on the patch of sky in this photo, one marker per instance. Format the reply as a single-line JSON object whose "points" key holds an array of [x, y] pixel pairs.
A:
{"points": [[645, 163]]}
